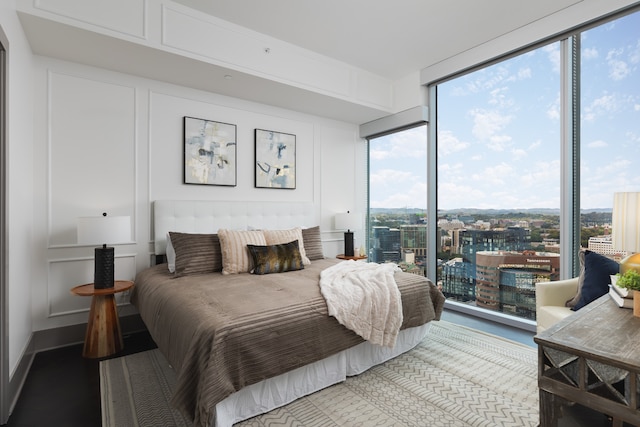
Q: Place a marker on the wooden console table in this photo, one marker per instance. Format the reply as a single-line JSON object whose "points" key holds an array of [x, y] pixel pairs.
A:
{"points": [[592, 358]]}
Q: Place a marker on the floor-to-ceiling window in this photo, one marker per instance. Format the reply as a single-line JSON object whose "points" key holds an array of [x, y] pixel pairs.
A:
{"points": [[530, 150], [498, 163], [398, 199], [610, 125]]}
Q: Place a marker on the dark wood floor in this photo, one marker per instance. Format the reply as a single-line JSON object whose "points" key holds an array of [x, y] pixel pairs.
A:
{"points": [[63, 388]]}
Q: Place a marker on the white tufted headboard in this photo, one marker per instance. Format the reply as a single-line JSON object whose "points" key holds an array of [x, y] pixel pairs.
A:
{"points": [[207, 216]]}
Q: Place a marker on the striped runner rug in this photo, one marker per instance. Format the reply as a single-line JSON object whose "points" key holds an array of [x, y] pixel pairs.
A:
{"points": [[456, 376]]}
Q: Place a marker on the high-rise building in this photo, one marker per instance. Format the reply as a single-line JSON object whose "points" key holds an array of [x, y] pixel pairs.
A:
{"points": [[497, 269], [506, 280], [459, 280], [385, 245], [509, 239], [414, 238]]}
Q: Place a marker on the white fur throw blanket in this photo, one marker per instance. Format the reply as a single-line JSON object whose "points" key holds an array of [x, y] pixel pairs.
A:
{"points": [[364, 297]]}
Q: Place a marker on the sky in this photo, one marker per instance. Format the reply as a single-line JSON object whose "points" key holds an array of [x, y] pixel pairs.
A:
{"points": [[499, 131]]}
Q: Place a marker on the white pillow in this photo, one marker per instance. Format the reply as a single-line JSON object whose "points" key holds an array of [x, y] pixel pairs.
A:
{"points": [[235, 255], [277, 237]]}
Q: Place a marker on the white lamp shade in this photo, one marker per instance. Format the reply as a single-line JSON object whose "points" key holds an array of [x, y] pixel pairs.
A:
{"points": [[348, 221], [99, 230], [625, 225]]}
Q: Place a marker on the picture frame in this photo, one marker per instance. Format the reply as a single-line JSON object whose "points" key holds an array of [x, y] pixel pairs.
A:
{"points": [[275, 159], [210, 152]]}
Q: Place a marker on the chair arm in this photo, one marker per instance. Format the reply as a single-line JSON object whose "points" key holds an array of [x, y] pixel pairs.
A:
{"points": [[556, 293]]}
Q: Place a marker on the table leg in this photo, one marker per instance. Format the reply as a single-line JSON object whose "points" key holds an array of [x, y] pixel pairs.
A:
{"points": [[103, 337], [549, 409]]}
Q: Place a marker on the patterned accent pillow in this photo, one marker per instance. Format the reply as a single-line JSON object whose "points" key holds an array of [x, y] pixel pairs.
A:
{"points": [[235, 255], [276, 237], [196, 253], [312, 243], [276, 258]]}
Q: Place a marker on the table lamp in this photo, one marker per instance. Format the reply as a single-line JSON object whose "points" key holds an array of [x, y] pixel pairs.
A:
{"points": [[347, 221], [625, 228], [104, 230]]}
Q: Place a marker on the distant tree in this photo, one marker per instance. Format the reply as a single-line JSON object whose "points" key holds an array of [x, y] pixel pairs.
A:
{"points": [[554, 234]]}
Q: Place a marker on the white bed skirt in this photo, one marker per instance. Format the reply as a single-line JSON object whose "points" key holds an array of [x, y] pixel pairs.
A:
{"points": [[275, 392]]}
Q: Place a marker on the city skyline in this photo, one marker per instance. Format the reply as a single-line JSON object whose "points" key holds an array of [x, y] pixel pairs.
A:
{"points": [[499, 132]]}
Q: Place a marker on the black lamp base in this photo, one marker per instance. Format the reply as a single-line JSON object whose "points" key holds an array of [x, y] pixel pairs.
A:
{"points": [[348, 243], [103, 270]]}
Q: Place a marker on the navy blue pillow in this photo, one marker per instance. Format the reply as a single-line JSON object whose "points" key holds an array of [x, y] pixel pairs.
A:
{"points": [[597, 272]]}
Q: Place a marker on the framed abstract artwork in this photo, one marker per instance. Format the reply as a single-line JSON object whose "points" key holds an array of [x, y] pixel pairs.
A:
{"points": [[275, 159], [209, 152]]}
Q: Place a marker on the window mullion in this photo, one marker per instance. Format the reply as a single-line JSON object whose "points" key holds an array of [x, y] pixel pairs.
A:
{"points": [[570, 157]]}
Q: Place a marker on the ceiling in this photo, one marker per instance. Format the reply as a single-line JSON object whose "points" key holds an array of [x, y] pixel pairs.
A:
{"points": [[393, 40], [389, 38]]}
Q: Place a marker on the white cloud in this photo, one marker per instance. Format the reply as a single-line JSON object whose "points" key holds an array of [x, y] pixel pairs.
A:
{"points": [[488, 125], [524, 73], [545, 174], [632, 136], [618, 68], [605, 178], [634, 56], [589, 53], [452, 195], [518, 153], [448, 143], [553, 55], [384, 177], [378, 154], [452, 172], [414, 196], [553, 112], [499, 142], [600, 106], [597, 144], [408, 143], [498, 97], [499, 174]]}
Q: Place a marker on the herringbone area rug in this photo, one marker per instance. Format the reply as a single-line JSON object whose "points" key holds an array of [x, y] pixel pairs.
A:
{"points": [[456, 377]]}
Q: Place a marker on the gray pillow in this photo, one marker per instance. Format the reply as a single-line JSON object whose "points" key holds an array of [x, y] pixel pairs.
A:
{"points": [[312, 243], [196, 253]]}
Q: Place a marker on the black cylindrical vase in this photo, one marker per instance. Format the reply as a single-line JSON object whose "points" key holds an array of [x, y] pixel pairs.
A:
{"points": [[103, 272], [348, 243]]}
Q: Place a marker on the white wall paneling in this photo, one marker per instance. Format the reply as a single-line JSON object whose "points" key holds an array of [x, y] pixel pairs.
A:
{"points": [[338, 168], [20, 171], [67, 273], [114, 142], [91, 152], [127, 17]]}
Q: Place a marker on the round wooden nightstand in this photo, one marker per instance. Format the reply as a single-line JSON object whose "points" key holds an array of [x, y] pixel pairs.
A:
{"points": [[103, 337], [354, 257]]}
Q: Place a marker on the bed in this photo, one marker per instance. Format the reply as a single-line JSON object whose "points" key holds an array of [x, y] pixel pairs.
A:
{"points": [[244, 344]]}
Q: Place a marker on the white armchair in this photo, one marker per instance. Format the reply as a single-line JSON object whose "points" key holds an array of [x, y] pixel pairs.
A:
{"points": [[550, 301]]}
